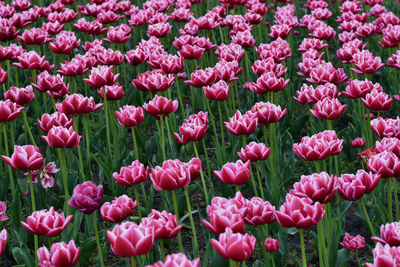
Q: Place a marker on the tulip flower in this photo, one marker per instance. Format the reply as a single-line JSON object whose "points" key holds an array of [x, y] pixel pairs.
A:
{"points": [[271, 245], [160, 107], [25, 158], [61, 254], [389, 234], [48, 121], [118, 210], [178, 259], [328, 109], [9, 111], [101, 75], [221, 218], [319, 187], [357, 142], [353, 243], [234, 246], [242, 124], [386, 127], [259, 212], [193, 129], [3, 241], [384, 255], [21, 96], [47, 222], [236, 173]]}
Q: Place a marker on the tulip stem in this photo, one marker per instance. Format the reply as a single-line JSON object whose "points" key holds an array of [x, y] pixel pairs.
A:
{"points": [[201, 174], [177, 219], [7, 154], [196, 245], [371, 229], [321, 245], [162, 249], [358, 260], [53, 102], [63, 162], [135, 147], [396, 199], [85, 119], [164, 155], [96, 231], [138, 202], [303, 248], [259, 181], [133, 260], [180, 97], [107, 120], [76, 126], [221, 128], [218, 149], [389, 198], [208, 165], [27, 128], [32, 192], [262, 237]]}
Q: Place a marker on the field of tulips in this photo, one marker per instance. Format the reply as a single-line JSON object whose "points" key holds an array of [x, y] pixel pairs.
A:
{"points": [[199, 133]]}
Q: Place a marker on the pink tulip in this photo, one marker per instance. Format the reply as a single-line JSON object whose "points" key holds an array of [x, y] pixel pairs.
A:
{"points": [[25, 158], [178, 259], [271, 245], [319, 187], [173, 174], [60, 137], [61, 254], [353, 186], [87, 197], [259, 212], [131, 175], [387, 164], [254, 152], [118, 210], [237, 173], [160, 107], [353, 243], [165, 224]]}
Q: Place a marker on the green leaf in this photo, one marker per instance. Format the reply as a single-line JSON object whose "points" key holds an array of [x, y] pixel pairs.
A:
{"points": [[22, 256]]}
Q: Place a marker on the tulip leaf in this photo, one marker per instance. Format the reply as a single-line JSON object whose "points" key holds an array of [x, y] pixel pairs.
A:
{"points": [[217, 260], [86, 250], [22, 256]]}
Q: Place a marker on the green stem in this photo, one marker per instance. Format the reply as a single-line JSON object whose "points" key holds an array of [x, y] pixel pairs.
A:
{"points": [[389, 198], [96, 231], [371, 229], [259, 181], [207, 163], [135, 147], [133, 260], [201, 174], [323, 257], [53, 102], [303, 248], [27, 128], [7, 154], [216, 139], [221, 128], [162, 249], [358, 260], [138, 202], [164, 155], [63, 162], [76, 126], [107, 122], [262, 237], [85, 119], [177, 219], [180, 97], [196, 245], [396, 199], [32, 192]]}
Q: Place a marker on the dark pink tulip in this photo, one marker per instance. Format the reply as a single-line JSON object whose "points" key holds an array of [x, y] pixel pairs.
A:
{"points": [[319, 187], [53, 27], [159, 30], [118, 210], [101, 75], [236, 173], [73, 68], [271, 245], [165, 224], [230, 52], [234, 246], [194, 167], [386, 127], [323, 32], [21, 96], [48, 82], [254, 152], [384, 256], [130, 116], [326, 73], [60, 137], [3, 241], [268, 65], [86, 197], [227, 70], [113, 92], [269, 82], [300, 212], [3, 208], [135, 57], [386, 163], [353, 186], [356, 88], [178, 259], [365, 62], [3, 76], [153, 81], [218, 91], [173, 174], [131, 175], [172, 64], [305, 95], [32, 60], [222, 218], [107, 17], [200, 78], [110, 57], [9, 111], [61, 254], [118, 34], [25, 158], [267, 112], [328, 109], [278, 50], [193, 129], [160, 107], [244, 38], [189, 52], [389, 234], [376, 100], [242, 124], [353, 243], [259, 212], [389, 144], [129, 239], [311, 43], [76, 104], [47, 222], [48, 121], [357, 142]]}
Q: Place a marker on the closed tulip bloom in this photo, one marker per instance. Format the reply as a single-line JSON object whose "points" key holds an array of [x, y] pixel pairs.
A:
{"points": [[130, 115], [218, 91], [76, 104], [353, 243], [268, 65], [32, 60], [131, 175], [387, 127], [354, 186], [328, 109], [259, 212], [118, 34], [357, 142], [3, 208], [236, 173], [87, 197], [267, 112], [60, 255], [9, 111], [47, 222], [390, 234], [165, 224], [300, 212], [110, 57], [254, 152], [173, 174], [271, 245], [200, 78], [319, 187], [135, 57], [305, 95], [26, 157], [389, 144], [384, 255], [101, 75], [60, 137], [129, 239], [222, 218], [194, 166], [365, 62], [193, 129], [178, 259], [227, 70], [113, 92], [233, 246], [376, 100], [3, 241], [387, 164], [118, 210], [242, 124], [172, 64], [48, 121], [21, 96], [160, 107]]}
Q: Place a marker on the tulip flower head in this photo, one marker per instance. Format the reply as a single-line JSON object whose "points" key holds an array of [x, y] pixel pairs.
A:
{"points": [[353, 243], [87, 197]]}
